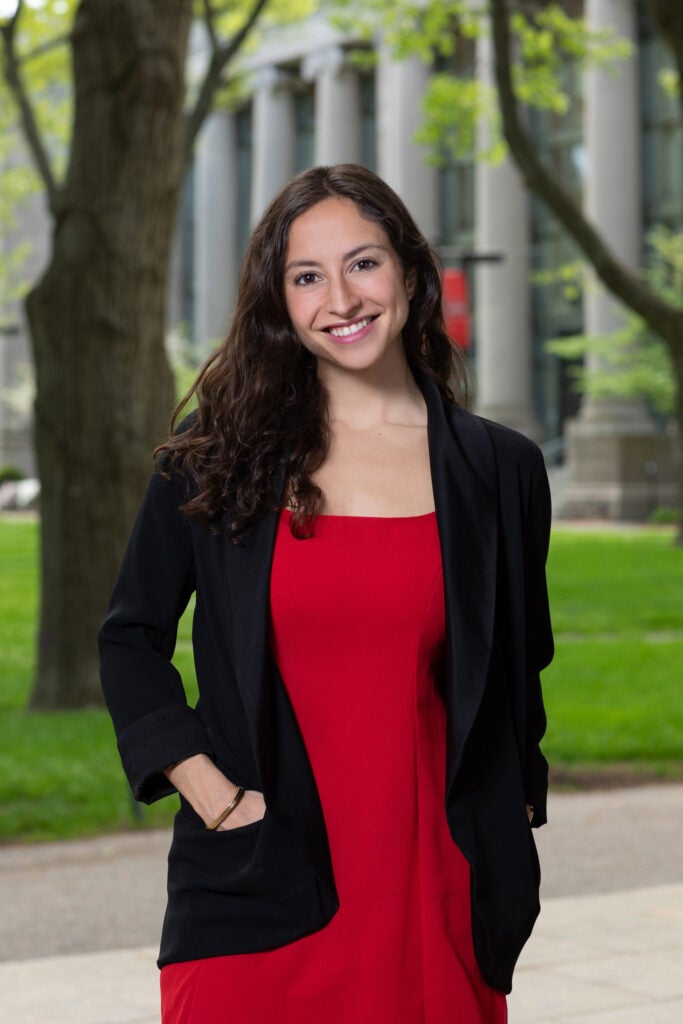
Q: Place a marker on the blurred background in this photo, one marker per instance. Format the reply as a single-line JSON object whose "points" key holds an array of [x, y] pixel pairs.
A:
{"points": [[540, 148]]}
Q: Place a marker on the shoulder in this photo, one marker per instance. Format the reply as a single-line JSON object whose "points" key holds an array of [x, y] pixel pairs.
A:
{"points": [[510, 447], [513, 446], [186, 422], [168, 460]]}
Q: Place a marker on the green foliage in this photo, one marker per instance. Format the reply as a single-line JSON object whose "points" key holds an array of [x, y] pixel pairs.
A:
{"points": [[431, 31], [408, 27], [42, 48], [547, 40], [664, 264], [569, 277], [231, 15], [186, 359], [665, 515], [45, 70], [228, 21], [669, 82], [633, 361], [457, 105], [454, 108], [11, 473]]}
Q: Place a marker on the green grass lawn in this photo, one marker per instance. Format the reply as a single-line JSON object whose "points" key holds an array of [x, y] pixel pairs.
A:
{"points": [[614, 693]]}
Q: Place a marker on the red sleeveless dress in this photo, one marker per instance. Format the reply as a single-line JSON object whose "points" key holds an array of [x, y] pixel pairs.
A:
{"points": [[357, 631]]}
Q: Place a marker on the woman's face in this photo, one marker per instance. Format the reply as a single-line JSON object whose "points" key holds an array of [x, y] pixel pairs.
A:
{"points": [[345, 289]]}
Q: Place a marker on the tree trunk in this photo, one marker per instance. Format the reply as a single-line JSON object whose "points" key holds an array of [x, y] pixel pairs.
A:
{"points": [[104, 386]]}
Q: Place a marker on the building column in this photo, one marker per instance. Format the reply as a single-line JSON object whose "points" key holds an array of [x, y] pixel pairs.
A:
{"points": [[274, 135], [174, 304], [503, 294], [337, 106], [620, 466], [16, 355], [16, 402], [215, 262], [401, 162]]}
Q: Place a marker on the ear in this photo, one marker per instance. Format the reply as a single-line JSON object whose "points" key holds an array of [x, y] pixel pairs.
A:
{"points": [[411, 282]]}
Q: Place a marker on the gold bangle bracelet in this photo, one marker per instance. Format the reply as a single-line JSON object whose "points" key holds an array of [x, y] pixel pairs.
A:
{"points": [[228, 810]]}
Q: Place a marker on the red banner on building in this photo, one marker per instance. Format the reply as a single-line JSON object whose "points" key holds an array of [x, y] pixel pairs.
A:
{"points": [[456, 307]]}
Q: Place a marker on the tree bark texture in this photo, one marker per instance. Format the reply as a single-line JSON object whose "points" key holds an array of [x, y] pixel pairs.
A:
{"points": [[104, 385]]}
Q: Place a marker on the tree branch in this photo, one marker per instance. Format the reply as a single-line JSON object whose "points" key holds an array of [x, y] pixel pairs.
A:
{"points": [[46, 47], [220, 57], [209, 18], [618, 279], [29, 124]]}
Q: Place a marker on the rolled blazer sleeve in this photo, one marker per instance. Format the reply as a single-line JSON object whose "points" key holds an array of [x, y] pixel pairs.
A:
{"points": [[144, 693], [539, 638]]}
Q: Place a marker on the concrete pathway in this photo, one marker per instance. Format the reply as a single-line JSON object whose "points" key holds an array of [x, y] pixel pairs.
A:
{"points": [[80, 921]]}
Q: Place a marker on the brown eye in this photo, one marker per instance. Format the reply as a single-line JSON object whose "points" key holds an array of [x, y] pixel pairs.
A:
{"points": [[308, 277]]}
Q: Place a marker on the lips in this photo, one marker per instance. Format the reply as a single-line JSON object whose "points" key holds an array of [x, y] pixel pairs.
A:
{"points": [[351, 332]]}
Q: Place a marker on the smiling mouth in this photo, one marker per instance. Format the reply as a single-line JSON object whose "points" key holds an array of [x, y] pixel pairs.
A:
{"points": [[350, 330]]}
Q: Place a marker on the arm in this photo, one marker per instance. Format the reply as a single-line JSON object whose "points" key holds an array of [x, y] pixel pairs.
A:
{"points": [[144, 692], [209, 792], [539, 639], [162, 741]]}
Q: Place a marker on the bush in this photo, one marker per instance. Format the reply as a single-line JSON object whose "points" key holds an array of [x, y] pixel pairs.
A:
{"points": [[11, 473], [664, 515]]}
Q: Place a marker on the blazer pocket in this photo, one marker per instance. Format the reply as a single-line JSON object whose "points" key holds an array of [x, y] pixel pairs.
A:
{"points": [[237, 891], [204, 861]]}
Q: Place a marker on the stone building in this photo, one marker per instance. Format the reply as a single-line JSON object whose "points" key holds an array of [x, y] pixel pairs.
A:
{"points": [[620, 148]]}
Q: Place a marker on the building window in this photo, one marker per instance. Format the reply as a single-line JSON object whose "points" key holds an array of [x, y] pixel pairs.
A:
{"points": [[304, 119], [559, 140], [661, 137], [456, 204], [187, 260], [244, 173], [368, 115]]}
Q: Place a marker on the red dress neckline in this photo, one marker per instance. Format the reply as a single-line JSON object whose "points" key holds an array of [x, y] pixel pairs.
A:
{"points": [[381, 519]]}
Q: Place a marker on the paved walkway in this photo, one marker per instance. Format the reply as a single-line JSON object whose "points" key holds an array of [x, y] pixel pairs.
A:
{"points": [[80, 921]]}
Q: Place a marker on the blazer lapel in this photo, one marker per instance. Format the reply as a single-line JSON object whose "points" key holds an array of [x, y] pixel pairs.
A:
{"points": [[464, 479], [248, 578], [287, 778]]}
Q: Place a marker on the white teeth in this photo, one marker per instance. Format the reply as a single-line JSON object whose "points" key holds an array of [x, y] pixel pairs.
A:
{"points": [[344, 332]]}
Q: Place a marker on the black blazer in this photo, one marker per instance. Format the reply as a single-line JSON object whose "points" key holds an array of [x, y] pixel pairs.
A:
{"points": [[262, 885]]}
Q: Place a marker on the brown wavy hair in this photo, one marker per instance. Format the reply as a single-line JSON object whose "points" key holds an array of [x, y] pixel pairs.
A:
{"points": [[261, 405]]}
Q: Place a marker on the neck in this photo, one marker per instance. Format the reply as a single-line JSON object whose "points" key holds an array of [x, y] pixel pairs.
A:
{"points": [[380, 394]]}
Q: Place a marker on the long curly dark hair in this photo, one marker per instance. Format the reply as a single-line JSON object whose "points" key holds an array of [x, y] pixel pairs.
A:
{"points": [[260, 402]]}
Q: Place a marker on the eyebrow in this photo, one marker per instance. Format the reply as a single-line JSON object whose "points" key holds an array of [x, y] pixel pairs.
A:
{"points": [[347, 256]]}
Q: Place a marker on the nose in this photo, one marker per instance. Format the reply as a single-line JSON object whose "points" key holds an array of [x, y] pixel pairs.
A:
{"points": [[342, 299]]}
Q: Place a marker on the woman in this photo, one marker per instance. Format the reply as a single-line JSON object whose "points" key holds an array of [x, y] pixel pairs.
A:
{"points": [[358, 777]]}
